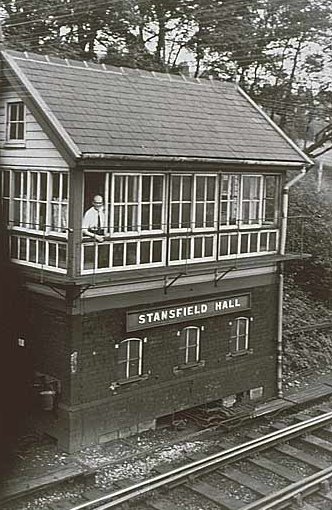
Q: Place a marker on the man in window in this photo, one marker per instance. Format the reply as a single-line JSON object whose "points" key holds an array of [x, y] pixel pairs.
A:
{"points": [[93, 224]]}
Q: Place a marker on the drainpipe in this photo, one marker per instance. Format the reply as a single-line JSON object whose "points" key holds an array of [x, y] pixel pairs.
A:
{"points": [[284, 216]]}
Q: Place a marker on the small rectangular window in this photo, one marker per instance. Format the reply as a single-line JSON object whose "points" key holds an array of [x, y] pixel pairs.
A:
{"points": [[239, 335], [15, 122]]}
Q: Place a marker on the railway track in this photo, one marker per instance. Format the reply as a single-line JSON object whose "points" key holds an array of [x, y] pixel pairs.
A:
{"points": [[193, 475]]}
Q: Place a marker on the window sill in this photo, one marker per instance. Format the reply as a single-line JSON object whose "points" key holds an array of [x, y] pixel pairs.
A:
{"points": [[131, 380], [188, 366], [239, 354], [19, 144]]}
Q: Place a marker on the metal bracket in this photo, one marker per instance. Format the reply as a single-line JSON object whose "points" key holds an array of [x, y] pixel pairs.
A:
{"points": [[169, 284], [219, 276]]}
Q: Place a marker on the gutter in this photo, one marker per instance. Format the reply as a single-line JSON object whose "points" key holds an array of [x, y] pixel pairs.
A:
{"points": [[284, 208], [186, 159]]}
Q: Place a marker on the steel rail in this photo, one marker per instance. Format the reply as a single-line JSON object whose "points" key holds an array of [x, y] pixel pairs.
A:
{"points": [[284, 497], [193, 468]]}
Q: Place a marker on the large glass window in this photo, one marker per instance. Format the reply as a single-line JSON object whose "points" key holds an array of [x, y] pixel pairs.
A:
{"points": [[130, 355], [137, 203], [15, 121], [40, 200]]}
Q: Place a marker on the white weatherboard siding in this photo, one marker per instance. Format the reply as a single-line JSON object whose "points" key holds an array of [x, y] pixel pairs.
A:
{"points": [[39, 151]]}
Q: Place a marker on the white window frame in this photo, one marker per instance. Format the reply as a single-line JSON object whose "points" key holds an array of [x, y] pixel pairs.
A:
{"points": [[205, 202], [138, 204], [10, 122], [185, 332], [275, 199], [26, 200], [127, 360], [235, 339], [180, 203], [229, 202], [256, 222]]}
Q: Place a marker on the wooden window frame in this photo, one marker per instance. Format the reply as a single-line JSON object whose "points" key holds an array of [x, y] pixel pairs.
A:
{"points": [[128, 359], [10, 122], [235, 337], [125, 204]]}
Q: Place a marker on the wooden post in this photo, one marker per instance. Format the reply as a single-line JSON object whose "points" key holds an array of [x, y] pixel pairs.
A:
{"points": [[76, 178]]}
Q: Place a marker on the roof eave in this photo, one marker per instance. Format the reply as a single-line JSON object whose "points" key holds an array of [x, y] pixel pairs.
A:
{"points": [[86, 157]]}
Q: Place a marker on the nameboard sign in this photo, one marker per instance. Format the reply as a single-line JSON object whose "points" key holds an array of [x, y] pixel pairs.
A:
{"points": [[186, 312]]}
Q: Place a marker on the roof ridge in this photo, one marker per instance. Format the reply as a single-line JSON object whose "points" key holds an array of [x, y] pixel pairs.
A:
{"points": [[105, 68]]}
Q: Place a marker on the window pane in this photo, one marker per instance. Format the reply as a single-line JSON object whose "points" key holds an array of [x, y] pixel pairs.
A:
{"points": [[146, 183], [175, 247], [20, 111], [156, 216], [52, 254], [41, 252], [176, 179], [200, 188], [175, 211], [263, 246], [253, 243], [208, 252], [157, 251], [186, 215], [209, 215], [55, 186], [62, 256], [186, 188], [17, 184], [103, 256], [145, 217], [118, 249], [273, 241], [20, 131], [33, 250], [145, 252], [242, 343], [223, 245], [157, 187], [131, 257], [43, 186], [185, 253], [132, 188], [198, 247], [192, 336], [89, 257], [65, 186], [134, 349], [233, 247], [211, 188], [23, 248], [244, 243], [132, 218], [199, 215]]}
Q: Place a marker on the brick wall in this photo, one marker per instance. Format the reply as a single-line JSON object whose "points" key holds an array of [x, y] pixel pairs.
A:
{"points": [[103, 410]]}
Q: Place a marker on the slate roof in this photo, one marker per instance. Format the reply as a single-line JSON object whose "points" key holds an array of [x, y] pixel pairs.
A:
{"points": [[109, 110]]}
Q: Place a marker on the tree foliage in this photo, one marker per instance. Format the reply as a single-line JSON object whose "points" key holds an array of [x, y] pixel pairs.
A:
{"points": [[278, 50]]}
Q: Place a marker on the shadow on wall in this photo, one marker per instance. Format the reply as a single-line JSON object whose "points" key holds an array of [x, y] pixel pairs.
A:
{"points": [[16, 366]]}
